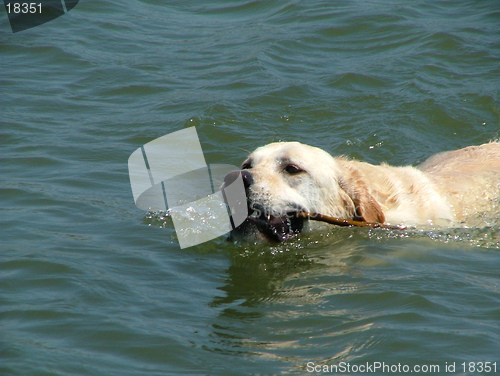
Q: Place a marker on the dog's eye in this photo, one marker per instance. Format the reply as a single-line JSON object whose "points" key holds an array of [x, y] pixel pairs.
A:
{"points": [[246, 165], [293, 169]]}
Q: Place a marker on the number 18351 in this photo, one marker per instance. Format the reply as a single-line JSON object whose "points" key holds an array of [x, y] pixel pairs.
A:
{"points": [[24, 8], [479, 367]]}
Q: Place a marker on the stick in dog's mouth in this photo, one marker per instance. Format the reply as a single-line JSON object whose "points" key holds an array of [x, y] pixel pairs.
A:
{"points": [[288, 226], [347, 222]]}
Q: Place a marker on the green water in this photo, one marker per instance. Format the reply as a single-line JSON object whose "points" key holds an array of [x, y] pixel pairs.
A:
{"points": [[91, 285]]}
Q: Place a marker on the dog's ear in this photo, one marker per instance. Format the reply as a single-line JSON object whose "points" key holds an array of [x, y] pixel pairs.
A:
{"points": [[366, 207]]}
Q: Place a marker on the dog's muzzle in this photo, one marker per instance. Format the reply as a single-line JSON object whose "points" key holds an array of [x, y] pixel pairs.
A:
{"points": [[275, 227]]}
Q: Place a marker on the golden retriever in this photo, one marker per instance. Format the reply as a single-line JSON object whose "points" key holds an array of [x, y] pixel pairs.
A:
{"points": [[284, 178]]}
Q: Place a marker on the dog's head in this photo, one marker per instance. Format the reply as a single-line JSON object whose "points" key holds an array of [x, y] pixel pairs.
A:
{"points": [[284, 178]]}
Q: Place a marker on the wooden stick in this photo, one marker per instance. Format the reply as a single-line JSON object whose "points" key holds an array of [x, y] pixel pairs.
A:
{"points": [[347, 222]]}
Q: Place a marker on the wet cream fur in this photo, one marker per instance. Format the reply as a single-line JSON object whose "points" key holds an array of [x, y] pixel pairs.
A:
{"points": [[448, 188]]}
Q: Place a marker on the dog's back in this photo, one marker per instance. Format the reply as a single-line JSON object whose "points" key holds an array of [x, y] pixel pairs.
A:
{"points": [[469, 178]]}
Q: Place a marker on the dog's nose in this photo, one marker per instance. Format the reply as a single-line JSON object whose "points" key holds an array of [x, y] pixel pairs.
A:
{"points": [[245, 175], [247, 178]]}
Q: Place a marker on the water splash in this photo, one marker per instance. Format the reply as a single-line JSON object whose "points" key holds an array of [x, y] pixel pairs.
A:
{"points": [[485, 233]]}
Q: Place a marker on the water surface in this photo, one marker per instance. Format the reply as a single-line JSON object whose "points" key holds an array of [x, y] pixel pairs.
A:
{"points": [[90, 285]]}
